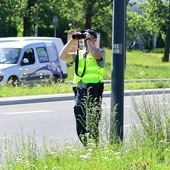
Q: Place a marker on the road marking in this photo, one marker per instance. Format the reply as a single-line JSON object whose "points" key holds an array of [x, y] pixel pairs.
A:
{"points": [[127, 105], [26, 112], [131, 125], [107, 107], [128, 125]]}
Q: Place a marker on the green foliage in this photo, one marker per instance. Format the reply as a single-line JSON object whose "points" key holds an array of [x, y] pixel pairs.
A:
{"points": [[153, 20], [23, 16], [20, 17], [8, 26], [134, 25], [157, 14], [160, 50]]}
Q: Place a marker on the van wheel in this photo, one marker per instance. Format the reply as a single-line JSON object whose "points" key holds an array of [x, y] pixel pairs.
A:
{"points": [[13, 80], [56, 79]]}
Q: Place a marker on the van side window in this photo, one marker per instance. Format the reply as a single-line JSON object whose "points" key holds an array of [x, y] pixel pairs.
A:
{"points": [[42, 54], [53, 53], [28, 57], [9, 55]]}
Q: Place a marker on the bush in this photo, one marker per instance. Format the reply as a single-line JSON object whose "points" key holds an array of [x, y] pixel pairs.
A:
{"points": [[160, 50]]}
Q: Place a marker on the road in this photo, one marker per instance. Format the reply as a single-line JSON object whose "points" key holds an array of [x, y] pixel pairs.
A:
{"points": [[52, 119]]}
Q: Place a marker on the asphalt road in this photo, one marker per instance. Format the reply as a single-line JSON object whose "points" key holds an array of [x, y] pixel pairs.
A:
{"points": [[53, 119], [51, 116]]}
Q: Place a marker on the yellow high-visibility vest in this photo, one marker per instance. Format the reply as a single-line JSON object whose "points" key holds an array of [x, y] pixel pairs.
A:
{"points": [[93, 73]]}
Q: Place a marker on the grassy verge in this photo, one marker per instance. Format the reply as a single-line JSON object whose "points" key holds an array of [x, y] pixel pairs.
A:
{"points": [[8, 91], [39, 89], [139, 65]]}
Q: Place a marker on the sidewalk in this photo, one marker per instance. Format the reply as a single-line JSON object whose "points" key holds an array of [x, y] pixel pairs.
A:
{"points": [[70, 96]]}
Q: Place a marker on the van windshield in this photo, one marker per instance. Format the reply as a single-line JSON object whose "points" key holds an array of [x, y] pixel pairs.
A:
{"points": [[9, 55]]}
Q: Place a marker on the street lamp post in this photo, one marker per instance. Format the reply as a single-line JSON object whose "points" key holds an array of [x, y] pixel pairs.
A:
{"points": [[36, 25], [55, 20], [117, 76]]}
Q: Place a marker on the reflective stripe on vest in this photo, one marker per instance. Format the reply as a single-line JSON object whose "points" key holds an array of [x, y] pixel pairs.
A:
{"points": [[93, 73]]}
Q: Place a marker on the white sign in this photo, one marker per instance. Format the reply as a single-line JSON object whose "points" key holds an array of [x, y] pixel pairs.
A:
{"points": [[117, 48]]}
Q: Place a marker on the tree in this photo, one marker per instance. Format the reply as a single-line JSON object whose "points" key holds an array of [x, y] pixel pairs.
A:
{"points": [[98, 15], [8, 25], [72, 15], [157, 17], [29, 13], [88, 14], [27, 21], [23, 15]]}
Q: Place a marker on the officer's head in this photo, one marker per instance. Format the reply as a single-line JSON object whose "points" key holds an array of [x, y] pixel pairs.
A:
{"points": [[91, 32]]}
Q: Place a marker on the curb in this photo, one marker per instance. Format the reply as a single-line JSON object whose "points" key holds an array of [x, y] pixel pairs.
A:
{"points": [[70, 96]]}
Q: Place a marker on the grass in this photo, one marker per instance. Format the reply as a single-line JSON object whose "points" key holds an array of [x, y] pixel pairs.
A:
{"points": [[139, 65], [38, 89], [148, 147]]}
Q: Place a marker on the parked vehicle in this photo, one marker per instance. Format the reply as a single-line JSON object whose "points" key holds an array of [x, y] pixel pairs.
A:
{"points": [[57, 41], [29, 62]]}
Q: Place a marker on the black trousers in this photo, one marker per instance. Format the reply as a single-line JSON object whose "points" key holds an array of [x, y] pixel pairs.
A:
{"points": [[87, 111]]}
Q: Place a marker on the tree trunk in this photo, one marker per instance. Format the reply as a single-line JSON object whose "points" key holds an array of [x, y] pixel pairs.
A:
{"points": [[167, 46], [27, 25], [89, 4]]}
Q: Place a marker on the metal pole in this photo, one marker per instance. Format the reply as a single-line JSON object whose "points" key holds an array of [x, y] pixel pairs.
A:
{"points": [[117, 73], [36, 30], [154, 43], [55, 20], [36, 26], [54, 31]]}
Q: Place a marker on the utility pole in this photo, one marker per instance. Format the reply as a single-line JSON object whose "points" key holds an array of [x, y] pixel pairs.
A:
{"points": [[117, 73], [55, 20], [36, 25]]}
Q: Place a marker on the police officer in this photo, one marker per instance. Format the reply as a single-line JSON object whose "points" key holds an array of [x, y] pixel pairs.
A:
{"points": [[88, 77]]}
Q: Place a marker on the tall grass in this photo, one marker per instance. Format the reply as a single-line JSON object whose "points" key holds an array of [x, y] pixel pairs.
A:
{"points": [[150, 133], [148, 146], [152, 121]]}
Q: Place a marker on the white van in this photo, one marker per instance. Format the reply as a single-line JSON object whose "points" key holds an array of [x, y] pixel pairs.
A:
{"points": [[57, 41], [29, 62]]}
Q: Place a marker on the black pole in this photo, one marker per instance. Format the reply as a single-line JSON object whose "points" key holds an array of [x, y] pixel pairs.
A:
{"points": [[117, 74]]}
